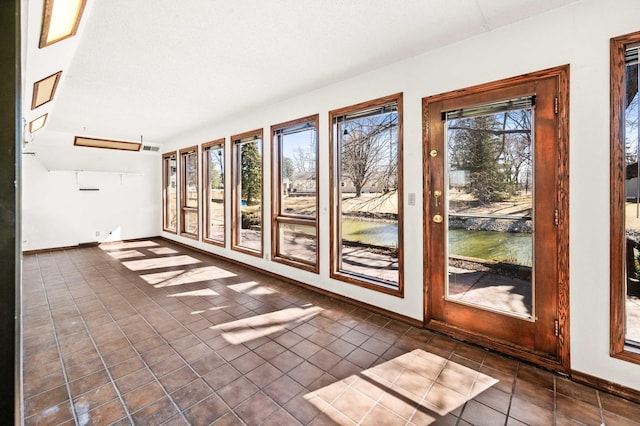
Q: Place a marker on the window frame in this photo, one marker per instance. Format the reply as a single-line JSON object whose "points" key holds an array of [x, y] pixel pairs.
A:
{"points": [[236, 211], [277, 217], [165, 199], [619, 348], [334, 179], [206, 194], [184, 209]]}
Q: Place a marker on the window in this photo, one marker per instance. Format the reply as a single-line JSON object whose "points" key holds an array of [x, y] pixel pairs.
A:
{"points": [[625, 198], [366, 194], [169, 192], [295, 193], [213, 178], [189, 192], [246, 194]]}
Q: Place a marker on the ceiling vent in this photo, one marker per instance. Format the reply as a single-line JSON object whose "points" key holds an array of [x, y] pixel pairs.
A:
{"points": [[151, 148]]}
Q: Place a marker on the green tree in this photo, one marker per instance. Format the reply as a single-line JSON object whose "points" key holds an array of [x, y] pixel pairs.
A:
{"points": [[288, 169], [251, 172], [475, 146]]}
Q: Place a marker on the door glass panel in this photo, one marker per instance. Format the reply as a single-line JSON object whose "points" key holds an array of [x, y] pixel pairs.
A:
{"points": [[489, 207]]}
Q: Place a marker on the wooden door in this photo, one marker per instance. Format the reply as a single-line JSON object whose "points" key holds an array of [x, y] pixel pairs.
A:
{"points": [[496, 216]]}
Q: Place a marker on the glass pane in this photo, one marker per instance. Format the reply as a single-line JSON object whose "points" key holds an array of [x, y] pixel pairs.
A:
{"points": [[298, 173], [297, 242], [171, 208], [489, 201], [191, 222], [368, 195], [215, 162], [250, 191], [632, 210], [191, 177]]}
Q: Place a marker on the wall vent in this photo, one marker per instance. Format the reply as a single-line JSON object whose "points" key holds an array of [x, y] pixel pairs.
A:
{"points": [[150, 148]]}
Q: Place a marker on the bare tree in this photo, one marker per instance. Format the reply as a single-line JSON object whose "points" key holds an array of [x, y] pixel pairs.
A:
{"points": [[368, 152]]}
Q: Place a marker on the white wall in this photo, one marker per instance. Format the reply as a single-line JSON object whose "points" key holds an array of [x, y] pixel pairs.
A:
{"points": [[56, 213]]}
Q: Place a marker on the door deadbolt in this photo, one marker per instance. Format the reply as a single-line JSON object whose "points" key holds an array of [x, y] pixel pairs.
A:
{"points": [[433, 153], [437, 218]]}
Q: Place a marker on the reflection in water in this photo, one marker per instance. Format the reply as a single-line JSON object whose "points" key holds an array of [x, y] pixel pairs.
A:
{"points": [[374, 232], [511, 247]]}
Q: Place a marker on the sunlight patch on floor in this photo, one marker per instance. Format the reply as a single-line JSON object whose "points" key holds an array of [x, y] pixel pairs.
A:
{"points": [[252, 288], [181, 277], [247, 329], [417, 387], [161, 262], [163, 250], [125, 254], [203, 292], [128, 245]]}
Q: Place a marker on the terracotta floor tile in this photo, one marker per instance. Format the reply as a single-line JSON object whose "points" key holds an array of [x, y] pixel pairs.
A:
{"points": [[143, 396], [280, 418], [191, 394], [530, 414], [305, 349], [247, 362], [95, 397], [55, 414], [237, 391], [283, 389], [286, 361], [305, 373], [176, 361], [178, 378], [534, 394], [221, 376], [256, 409], [155, 413], [264, 375], [362, 358], [206, 411], [381, 415]]}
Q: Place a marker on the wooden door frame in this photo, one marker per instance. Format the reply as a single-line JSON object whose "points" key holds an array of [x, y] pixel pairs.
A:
{"points": [[562, 361]]}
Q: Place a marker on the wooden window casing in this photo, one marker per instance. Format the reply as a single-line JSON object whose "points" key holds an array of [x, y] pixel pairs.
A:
{"points": [[237, 243], [337, 271], [214, 146], [280, 217], [189, 206], [620, 346], [170, 192]]}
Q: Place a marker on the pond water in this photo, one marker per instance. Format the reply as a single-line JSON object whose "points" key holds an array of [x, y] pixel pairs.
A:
{"points": [[502, 246], [513, 247], [375, 232]]}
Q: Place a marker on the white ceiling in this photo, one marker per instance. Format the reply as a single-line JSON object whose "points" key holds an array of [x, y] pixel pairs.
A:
{"points": [[161, 67]]}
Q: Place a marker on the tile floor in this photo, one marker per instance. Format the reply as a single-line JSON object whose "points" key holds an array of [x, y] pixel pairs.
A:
{"points": [[151, 333]]}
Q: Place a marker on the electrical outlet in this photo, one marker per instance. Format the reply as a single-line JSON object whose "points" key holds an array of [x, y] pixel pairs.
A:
{"points": [[97, 233]]}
